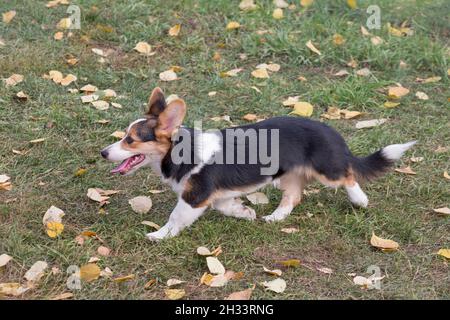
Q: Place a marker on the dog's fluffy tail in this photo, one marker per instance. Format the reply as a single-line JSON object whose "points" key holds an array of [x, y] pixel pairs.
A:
{"points": [[374, 165]]}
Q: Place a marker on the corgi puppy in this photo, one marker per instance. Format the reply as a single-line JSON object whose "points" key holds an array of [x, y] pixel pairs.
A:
{"points": [[216, 168]]}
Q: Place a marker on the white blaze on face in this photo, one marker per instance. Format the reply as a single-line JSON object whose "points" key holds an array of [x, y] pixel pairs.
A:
{"points": [[116, 152]]}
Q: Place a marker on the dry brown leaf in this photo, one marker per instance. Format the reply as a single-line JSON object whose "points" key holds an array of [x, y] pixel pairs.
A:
{"points": [[290, 230], [444, 252], [93, 194], [278, 14], [397, 92], [64, 23], [36, 271], [89, 88], [446, 175], [429, 80], [150, 284], [383, 244], [232, 25], [247, 5], [89, 272], [304, 109], [364, 31], [174, 282], [13, 289], [443, 210], [151, 224], [290, 101], [118, 134], [364, 72], [215, 266], [175, 294], [406, 170], [260, 73], [68, 80], [53, 214], [54, 229], [338, 39], [290, 263], [342, 73], [275, 272], [324, 270], [390, 104], [13, 80], [231, 73], [241, 295], [168, 75], [100, 105], [416, 159], [58, 35], [8, 16], [36, 141], [175, 30], [422, 95], [141, 204], [103, 251], [4, 259], [250, 117], [144, 48], [369, 123], [311, 47], [376, 40], [63, 296], [278, 285]]}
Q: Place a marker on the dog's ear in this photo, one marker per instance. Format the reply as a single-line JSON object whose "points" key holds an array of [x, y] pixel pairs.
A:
{"points": [[156, 102], [171, 118]]}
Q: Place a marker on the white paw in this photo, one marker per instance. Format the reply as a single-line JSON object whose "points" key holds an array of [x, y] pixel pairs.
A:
{"points": [[363, 203], [273, 218], [156, 236]]}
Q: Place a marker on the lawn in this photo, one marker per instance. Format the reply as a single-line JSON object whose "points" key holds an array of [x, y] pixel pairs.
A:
{"points": [[332, 234]]}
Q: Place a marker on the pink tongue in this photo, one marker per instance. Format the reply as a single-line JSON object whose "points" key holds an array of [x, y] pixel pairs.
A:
{"points": [[123, 165]]}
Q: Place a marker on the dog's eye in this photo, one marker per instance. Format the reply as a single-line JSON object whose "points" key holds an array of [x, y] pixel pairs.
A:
{"points": [[129, 140]]}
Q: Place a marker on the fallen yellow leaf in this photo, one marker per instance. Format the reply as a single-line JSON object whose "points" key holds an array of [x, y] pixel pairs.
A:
{"points": [[311, 47], [303, 109], [383, 244], [175, 30], [338, 39], [64, 23], [54, 229], [406, 170], [233, 25], [390, 104], [8, 16], [444, 252], [175, 294], [397, 92], [352, 4], [290, 262], [306, 3], [260, 74], [89, 272], [124, 278], [278, 13]]}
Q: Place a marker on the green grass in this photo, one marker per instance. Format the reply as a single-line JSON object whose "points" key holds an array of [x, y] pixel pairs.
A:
{"points": [[335, 236]]}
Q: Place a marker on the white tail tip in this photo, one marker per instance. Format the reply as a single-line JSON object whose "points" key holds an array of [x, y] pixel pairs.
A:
{"points": [[395, 151]]}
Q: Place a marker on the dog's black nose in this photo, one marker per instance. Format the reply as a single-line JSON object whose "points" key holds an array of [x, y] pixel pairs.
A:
{"points": [[104, 153]]}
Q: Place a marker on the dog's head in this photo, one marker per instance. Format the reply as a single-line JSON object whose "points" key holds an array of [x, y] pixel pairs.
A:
{"points": [[148, 139]]}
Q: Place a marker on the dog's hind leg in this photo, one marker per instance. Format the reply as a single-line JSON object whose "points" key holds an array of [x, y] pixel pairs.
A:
{"points": [[292, 185], [356, 195], [233, 207]]}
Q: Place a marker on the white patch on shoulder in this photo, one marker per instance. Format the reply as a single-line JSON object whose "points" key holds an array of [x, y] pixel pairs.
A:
{"points": [[207, 145], [357, 196], [395, 151]]}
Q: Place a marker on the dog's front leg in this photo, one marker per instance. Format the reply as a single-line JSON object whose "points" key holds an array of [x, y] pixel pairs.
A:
{"points": [[182, 216]]}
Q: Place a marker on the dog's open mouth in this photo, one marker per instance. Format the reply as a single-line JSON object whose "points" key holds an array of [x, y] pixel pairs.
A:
{"points": [[128, 164]]}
